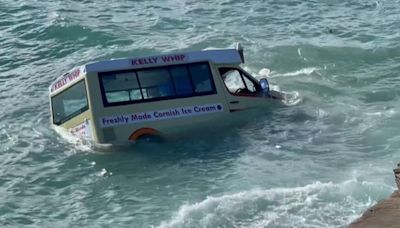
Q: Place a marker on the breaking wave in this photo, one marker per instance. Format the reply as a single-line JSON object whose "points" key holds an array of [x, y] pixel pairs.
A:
{"points": [[314, 205]]}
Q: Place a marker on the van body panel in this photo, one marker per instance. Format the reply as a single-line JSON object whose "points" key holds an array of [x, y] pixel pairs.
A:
{"points": [[167, 116], [112, 121]]}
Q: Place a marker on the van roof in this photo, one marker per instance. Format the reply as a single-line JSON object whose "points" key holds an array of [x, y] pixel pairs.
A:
{"points": [[219, 56]]}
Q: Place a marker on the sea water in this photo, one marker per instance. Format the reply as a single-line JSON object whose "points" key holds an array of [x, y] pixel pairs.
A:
{"points": [[318, 161]]}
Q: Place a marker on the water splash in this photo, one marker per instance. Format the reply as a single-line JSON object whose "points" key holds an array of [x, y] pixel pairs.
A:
{"points": [[79, 143], [292, 98]]}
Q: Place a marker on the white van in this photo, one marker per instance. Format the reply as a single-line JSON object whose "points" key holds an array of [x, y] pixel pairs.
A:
{"points": [[116, 101]]}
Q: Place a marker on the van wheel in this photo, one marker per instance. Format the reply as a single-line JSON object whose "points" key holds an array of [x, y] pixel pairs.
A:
{"points": [[150, 138]]}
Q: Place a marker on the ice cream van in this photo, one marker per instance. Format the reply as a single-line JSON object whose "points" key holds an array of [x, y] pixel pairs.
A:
{"points": [[162, 96]]}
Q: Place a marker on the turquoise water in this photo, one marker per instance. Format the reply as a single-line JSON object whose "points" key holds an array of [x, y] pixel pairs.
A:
{"points": [[318, 162]]}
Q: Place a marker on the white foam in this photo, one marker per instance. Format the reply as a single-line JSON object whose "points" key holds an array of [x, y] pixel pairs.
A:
{"points": [[292, 98], [265, 72], [304, 71], [268, 73], [78, 143], [314, 205], [102, 173], [386, 113]]}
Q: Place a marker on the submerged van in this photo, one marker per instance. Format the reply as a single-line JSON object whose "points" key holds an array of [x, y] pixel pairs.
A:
{"points": [[117, 101]]}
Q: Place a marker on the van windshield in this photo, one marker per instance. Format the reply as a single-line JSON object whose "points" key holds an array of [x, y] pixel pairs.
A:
{"points": [[69, 103]]}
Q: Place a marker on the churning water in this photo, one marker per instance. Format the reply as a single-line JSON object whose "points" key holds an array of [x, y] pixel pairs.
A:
{"points": [[317, 162]]}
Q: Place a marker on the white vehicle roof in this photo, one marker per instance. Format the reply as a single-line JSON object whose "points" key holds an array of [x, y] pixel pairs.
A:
{"points": [[219, 56]]}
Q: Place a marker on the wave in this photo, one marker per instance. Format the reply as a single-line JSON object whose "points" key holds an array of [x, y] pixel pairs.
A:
{"points": [[314, 205], [267, 73], [304, 71]]}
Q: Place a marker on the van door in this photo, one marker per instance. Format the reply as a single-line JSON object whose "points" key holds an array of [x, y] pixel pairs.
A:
{"points": [[243, 91]]}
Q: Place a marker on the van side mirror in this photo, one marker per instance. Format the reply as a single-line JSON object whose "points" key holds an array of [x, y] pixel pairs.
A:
{"points": [[264, 85]]}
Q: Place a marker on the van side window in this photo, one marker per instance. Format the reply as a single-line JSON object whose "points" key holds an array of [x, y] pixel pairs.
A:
{"points": [[238, 82], [201, 78], [249, 84], [233, 80], [182, 81], [69, 103], [159, 83], [155, 83], [121, 87]]}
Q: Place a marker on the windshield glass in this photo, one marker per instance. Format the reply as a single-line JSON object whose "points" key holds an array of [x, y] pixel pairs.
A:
{"points": [[69, 103]]}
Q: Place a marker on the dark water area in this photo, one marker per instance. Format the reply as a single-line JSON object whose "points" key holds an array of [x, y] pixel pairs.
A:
{"points": [[319, 161]]}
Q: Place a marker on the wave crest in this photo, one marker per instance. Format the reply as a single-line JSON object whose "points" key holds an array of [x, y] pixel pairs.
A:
{"points": [[314, 205]]}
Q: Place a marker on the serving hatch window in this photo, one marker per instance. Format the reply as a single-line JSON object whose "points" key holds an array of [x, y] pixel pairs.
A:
{"points": [[69, 103], [126, 87], [155, 83], [121, 87]]}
